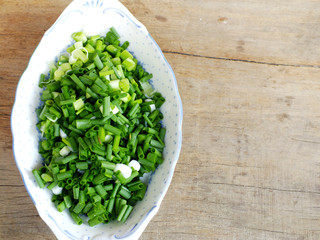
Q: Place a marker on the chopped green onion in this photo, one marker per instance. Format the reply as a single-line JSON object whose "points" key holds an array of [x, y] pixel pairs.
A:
{"points": [[79, 36], [99, 113]]}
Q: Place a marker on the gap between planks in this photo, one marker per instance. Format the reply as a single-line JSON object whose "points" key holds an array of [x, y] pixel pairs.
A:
{"points": [[265, 188]]}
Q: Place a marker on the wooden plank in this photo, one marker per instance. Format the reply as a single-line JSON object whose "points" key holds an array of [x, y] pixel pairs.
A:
{"points": [[278, 32], [249, 164]]}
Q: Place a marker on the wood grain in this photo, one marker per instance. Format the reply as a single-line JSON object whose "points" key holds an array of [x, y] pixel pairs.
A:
{"points": [[248, 74]]}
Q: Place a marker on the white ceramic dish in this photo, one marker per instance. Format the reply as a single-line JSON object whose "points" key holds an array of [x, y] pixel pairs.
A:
{"points": [[95, 17]]}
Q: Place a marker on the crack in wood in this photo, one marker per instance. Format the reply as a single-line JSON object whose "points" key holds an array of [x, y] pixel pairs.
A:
{"points": [[271, 231], [309, 139], [243, 60]]}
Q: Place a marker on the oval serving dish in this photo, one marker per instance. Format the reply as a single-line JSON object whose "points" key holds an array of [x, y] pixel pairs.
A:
{"points": [[95, 17]]}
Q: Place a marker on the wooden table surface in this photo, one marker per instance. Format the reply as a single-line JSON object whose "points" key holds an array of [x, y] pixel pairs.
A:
{"points": [[249, 77]]}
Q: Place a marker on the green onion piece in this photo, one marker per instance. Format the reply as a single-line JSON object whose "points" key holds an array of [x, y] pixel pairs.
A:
{"points": [[115, 189], [76, 192], [101, 191], [99, 179], [152, 157], [162, 133], [79, 36], [96, 149], [156, 144], [129, 64], [61, 207], [82, 196], [96, 199], [112, 50], [76, 218], [46, 177], [133, 110], [78, 82], [135, 186], [125, 54], [108, 187], [87, 207], [110, 204], [38, 178], [122, 212], [64, 175], [83, 124], [116, 61], [82, 165], [150, 166], [147, 120], [156, 152], [125, 45], [127, 213], [97, 62], [107, 164], [67, 201], [106, 106], [78, 104], [159, 102], [42, 80], [66, 159], [112, 129], [101, 84], [124, 192], [109, 151], [139, 195], [95, 221], [140, 152], [78, 208], [116, 142], [91, 93], [90, 191], [52, 185]]}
